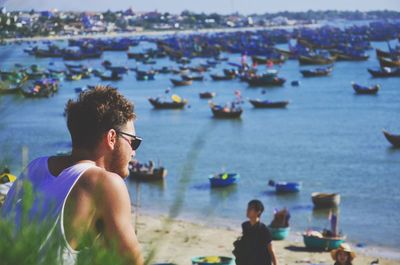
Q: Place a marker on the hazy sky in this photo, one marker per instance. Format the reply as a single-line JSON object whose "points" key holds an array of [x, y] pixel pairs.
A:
{"points": [[220, 6]]}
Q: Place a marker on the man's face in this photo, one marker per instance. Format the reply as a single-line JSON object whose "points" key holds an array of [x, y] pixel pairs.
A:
{"points": [[252, 213], [123, 152]]}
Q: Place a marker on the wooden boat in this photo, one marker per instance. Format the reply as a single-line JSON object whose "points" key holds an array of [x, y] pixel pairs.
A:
{"points": [[207, 95], [365, 90], [176, 82], [114, 76], [268, 104], [213, 260], [193, 78], [325, 200], [265, 81], [285, 187], [145, 75], [73, 77], [279, 233], [157, 174], [223, 113], [158, 104], [384, 54], [310, 60], [317, 72], [385, 72], [322, 243], [383, 62], [222, 77], [266, 60], [223, 179], [392, 138]]}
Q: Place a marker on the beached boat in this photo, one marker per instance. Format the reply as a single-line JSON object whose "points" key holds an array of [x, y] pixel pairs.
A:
{"points": [[325, 200], [314, 242], [392, 138], [207, 95], [279, 233], [317, 59], [177, 82], [365, 90], [161, 104], [384, 62], [223, 179], [226, 113], [385, 72], [213, 260], [322, 71], [285, 187], [257, 103]]}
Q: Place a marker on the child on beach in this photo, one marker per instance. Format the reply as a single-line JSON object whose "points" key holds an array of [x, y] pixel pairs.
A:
{"points": [[256, 242], [343, 255]]}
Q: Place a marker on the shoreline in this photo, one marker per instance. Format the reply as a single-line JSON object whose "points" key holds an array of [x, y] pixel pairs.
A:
{"points": [[154, 33], [194, 237]]}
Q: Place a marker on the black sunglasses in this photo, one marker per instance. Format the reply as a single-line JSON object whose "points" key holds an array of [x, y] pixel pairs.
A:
{"points": [[135, 142]]}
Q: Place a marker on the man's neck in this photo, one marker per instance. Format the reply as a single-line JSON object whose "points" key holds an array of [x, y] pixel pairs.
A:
{"points": [[254, 221]]}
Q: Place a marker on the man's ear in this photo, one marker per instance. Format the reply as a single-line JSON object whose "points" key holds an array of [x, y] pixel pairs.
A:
{"points": [[111, 139]]}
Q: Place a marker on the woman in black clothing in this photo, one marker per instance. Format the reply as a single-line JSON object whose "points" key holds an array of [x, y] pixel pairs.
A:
{"points": [[256, 239]]}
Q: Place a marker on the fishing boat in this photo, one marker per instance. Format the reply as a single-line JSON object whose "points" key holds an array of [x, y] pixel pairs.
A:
{"points": [[216, 77], [145, 75], [385, 72], [392, 138], [193, 78], [175, 103], [384, 62], [319, 242], [213, 260], [325, 200], [73, 77], [223, 179], [257, 103], [146, 172], [384, 54], [268, 60], [226, 112], [265, 81], [207, 95], [177, 82], [285, 187], [322, 71], [317, 59], [114, 76], [362, 90], [279, 233]]}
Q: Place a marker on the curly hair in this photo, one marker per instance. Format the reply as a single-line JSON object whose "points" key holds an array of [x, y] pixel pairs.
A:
{"points": [[95, 112]]}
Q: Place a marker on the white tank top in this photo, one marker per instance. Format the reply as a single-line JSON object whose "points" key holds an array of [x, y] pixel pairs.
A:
{"points": [[50, 195]]}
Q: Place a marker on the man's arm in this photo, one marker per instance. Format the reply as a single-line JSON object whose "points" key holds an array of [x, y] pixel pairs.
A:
{"points": [[272, 254], [115, 211]]}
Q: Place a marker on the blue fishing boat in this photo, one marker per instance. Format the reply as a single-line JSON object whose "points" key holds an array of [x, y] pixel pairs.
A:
{"points": [[223, 179], [285, 187], [279, 233], [213, 260]]}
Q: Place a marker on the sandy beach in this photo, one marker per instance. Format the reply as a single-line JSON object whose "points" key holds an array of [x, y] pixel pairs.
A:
{"points": [[177, 241]]}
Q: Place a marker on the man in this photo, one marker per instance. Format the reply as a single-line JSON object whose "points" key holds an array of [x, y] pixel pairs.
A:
{"points": [[257, 241], [85, 193]]}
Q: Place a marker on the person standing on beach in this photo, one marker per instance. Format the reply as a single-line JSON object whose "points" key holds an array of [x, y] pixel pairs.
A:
{"points": [[84, 192], [256, 239]]}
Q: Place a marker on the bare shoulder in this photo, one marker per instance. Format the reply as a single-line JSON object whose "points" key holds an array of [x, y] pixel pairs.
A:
{"points": [[101, 180]]}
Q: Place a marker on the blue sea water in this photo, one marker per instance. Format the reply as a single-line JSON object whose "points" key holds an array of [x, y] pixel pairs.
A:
{"points": [[328, 138]]}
